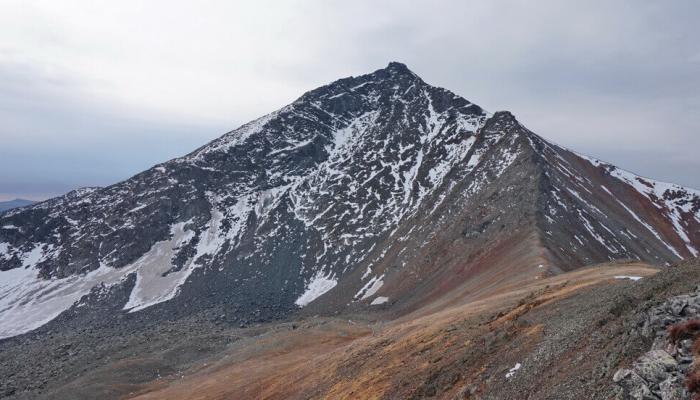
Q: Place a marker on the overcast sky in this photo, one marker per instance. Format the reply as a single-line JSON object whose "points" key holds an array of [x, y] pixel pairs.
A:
{"points": [[93, 92]]}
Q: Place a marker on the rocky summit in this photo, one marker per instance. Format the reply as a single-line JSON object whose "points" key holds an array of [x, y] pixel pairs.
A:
{"points": [[378, 196]]}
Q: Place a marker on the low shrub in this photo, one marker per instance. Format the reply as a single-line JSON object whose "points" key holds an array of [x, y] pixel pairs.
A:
{"points": [[692, 383], [696, 346], [684, 330], [689, 330]]}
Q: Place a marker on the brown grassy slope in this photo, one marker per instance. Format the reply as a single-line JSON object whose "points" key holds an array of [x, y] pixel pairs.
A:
{"points": [[442, 354]]}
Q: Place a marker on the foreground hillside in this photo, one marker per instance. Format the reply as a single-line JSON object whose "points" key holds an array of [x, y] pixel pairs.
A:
{"points": [[569, 334]]}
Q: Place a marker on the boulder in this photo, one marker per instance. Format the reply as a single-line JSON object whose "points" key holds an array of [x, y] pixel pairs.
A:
{"points": [[634, 387], [672, 389], [656, 366]]}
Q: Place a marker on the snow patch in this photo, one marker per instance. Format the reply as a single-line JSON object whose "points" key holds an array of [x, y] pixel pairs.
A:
{"points": [[512, 371], [151, 286], [370, 288], [28, 302], [634, 278], [319, 285], [379, 300]]}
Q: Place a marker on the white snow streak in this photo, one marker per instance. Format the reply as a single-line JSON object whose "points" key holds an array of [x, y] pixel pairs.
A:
{"points": [[512, 371], [379, 300], [634, 278], [370, 288], [649, 227]]}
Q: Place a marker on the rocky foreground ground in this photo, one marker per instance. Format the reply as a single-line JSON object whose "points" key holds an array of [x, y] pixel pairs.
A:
{"points": [[669, 370]]}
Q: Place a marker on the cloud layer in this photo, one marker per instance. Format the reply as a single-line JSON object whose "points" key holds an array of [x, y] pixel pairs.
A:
{"points": [[91, 93]]}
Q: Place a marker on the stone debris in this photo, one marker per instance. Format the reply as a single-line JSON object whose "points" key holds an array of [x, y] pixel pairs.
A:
{"points": [[659, 374]]}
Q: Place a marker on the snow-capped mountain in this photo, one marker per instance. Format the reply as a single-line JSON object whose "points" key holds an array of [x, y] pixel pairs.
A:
{"points": [[373, 191]]}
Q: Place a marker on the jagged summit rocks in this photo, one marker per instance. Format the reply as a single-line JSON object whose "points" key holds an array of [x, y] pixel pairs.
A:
{"points": [[376, 187]]}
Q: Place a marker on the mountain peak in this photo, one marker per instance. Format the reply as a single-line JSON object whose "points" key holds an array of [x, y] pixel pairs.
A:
{"points": [[394, 75], [397, 67], [327, 191], [504, 114]]}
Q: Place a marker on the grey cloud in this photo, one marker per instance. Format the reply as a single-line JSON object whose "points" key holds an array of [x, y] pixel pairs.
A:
{"points": [[54, 141]]}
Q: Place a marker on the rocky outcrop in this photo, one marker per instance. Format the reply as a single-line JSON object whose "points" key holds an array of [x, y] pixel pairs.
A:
{"points": [[660, 373]]}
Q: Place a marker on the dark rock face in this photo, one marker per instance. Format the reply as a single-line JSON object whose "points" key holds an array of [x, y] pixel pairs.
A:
{"points": [[340, 199]]}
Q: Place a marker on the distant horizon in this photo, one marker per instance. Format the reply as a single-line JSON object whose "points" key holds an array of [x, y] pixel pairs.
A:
{"points": [[21, 199]]}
